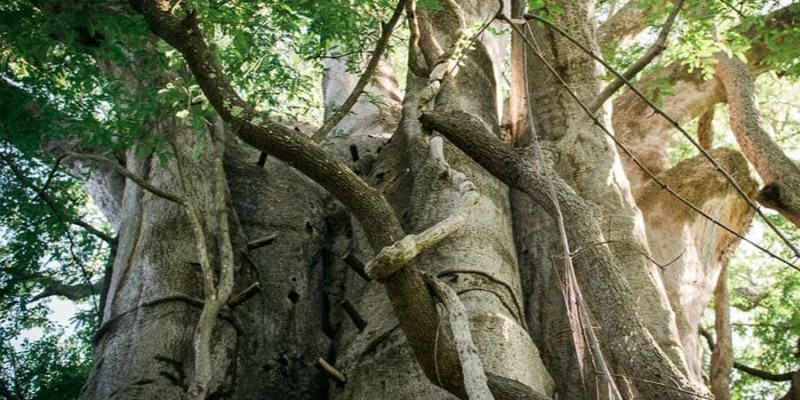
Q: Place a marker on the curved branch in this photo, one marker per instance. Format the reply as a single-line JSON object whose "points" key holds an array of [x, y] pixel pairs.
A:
{"points": [[758, 373], [780, 174], [648, 136], [680, 128]]}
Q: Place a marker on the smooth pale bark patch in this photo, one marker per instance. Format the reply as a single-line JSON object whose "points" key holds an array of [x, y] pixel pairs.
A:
{"points": [[690, 249]]}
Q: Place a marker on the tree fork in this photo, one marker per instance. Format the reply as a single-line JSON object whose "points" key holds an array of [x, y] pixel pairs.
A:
{"points": [[406, 289]]}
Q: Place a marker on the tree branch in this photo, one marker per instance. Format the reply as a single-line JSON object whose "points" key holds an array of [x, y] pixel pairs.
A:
{"points": [[6, 392], [655, 49], [51, 203], [686, 134], [780, 174], [705, 129], [722, 353], [393, 257], [648, 137], [366, 76], [758, 373], [130, 175], [416, 64], [475, 381], [627, 22], [639, 164], [54, 287], [601, 277], [786, 376]]}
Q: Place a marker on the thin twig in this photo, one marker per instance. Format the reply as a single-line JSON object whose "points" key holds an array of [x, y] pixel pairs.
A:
{"points": [[661, 183], [130, 175], [48, 200], [654, 50], [380, 47], [674, 123], [50, 177], [737, 11]]}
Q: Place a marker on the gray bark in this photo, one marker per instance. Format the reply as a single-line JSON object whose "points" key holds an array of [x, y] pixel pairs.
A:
{"points": [[504, 262]]}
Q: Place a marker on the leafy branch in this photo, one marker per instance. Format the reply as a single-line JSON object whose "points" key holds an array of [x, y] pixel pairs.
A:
{"points": [[366, 75], [51, 203]]}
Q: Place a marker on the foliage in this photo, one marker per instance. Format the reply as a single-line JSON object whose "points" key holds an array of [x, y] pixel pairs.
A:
{"points": [[54, 92], [766, 321], [48, 368]]}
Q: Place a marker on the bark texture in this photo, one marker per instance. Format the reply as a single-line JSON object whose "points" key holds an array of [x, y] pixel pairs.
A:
{"points": [[586, 158], [478, 261], [691, 251], [781, 176], [646, 264]]}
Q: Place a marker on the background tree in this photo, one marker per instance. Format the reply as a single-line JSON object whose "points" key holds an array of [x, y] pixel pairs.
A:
{"points": [[494, 224]]}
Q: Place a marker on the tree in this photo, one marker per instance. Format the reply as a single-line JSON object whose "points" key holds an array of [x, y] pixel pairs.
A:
{"points": [[421, 243]]}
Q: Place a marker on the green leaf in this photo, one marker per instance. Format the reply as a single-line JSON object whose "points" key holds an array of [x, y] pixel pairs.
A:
{"points": [[432, 5], [534, 5]]}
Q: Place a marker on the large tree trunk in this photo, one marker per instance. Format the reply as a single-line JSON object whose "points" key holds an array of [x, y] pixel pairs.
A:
{"points": [[479, 261], [505, 262], [144, 347], [587, 160]]}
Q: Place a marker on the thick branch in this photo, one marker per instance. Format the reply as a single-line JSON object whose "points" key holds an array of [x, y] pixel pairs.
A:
{"points": [[705, 129], [722, 353], [406, 290], [634, 160], [673, 122], [53, 287], [648, 137], [781, 175], [626, 23], [596, 267]]}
